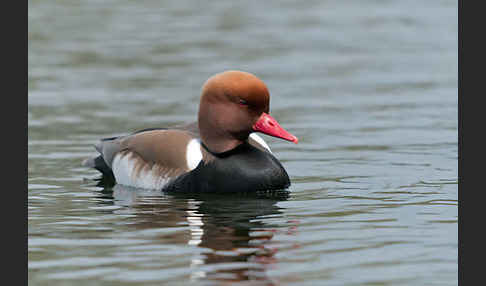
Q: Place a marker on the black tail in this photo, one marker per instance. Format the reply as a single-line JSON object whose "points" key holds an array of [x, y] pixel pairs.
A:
{"points": [[99, 164]]}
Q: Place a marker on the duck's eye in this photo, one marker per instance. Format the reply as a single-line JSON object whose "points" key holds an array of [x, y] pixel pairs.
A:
{"points": [[243, 102]]}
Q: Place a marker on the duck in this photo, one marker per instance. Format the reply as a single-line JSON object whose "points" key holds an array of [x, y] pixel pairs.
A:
{"points": [[220, 153]]}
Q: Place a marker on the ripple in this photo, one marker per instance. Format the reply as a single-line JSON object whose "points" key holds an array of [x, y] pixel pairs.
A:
{"points": [[40, 241]]}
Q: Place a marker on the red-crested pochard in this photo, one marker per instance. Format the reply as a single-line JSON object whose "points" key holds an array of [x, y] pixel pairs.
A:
{"points": [[219, 153]]}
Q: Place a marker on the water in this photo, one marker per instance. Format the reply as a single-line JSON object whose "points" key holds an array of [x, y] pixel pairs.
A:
{"points": [[369, 88]]}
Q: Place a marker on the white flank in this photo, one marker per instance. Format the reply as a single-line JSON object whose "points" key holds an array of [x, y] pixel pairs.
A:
{"points": [[259, 139], [123, 169], [193, 154]]}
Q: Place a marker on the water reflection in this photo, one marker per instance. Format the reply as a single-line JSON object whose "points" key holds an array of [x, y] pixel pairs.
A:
{"points": [[230, 231]]}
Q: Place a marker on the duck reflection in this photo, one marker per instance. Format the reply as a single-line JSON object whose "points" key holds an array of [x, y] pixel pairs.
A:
{"points": [[230, 229]]}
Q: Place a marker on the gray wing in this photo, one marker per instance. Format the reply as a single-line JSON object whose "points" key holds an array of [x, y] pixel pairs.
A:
{"points": [[107, 148], [163, 147]]}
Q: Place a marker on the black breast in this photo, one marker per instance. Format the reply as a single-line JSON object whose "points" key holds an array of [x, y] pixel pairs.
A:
{"points": [[243, 169]]}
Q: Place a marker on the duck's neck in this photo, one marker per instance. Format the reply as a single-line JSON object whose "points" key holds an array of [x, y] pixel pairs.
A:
{"points": [[219, 143]]}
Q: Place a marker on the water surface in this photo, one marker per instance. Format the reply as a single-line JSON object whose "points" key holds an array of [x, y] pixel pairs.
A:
{"points": [[369, 88]]}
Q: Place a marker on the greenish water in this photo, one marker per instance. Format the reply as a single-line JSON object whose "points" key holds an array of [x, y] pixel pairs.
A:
{"points": [[369, 88]]}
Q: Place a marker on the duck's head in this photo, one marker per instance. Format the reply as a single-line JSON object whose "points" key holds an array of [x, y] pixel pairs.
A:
{"points": [[233, 105]]}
